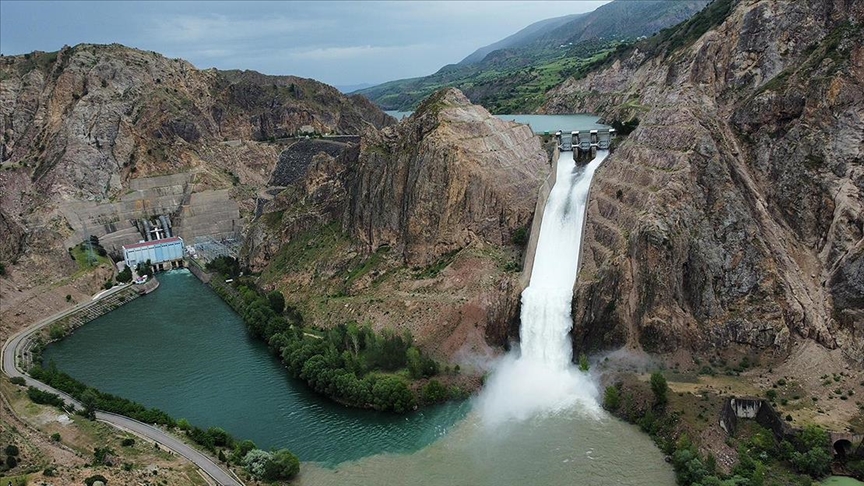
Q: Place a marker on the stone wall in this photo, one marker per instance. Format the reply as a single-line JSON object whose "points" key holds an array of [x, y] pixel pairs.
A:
{"points": [[754, 409]]}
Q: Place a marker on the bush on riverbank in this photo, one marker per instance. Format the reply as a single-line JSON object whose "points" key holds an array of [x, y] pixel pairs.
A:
{"points": [[44, 398], [279, 465], [760, 455], [351, 364]]}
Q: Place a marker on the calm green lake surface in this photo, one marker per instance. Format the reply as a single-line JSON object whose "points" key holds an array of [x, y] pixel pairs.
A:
{"points": [[183, 350], [539, 123]]}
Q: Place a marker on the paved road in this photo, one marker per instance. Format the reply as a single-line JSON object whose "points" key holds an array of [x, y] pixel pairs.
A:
{"points": [[10, 368]]}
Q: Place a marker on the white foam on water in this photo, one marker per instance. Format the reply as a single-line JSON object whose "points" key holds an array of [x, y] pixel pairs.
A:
{"points": [[543, 379]]}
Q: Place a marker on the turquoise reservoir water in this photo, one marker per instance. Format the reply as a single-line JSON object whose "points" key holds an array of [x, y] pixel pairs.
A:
{"points": [[539, 123], [183, 350]]}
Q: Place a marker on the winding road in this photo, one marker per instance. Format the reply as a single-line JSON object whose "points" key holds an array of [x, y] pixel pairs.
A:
{"points": [[9, 366]]}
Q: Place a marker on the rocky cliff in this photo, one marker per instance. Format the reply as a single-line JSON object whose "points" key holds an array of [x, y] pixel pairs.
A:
{"points": [[412, 229], [80, 124], [733, 215]]}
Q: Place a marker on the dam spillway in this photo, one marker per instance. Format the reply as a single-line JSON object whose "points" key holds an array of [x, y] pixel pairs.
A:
{"points": [[543, 379], [546, 319]]}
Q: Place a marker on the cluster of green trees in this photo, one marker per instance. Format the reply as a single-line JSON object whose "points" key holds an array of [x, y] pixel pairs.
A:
{"points": [[351, 364], [45, 398], [224, 265], [145, 268], [125, 276], [760, 456], [12, 457], [271, 466]]}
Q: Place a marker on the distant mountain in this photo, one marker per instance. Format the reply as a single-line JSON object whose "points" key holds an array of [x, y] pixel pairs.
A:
{"points": [[350, 88], [519, 39], [512, 75]]}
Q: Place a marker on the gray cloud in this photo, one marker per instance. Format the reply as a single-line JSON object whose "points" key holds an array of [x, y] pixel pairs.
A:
{"points": [[336, 42]]}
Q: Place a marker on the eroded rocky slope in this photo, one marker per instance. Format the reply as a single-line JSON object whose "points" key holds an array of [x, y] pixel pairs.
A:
{"points": [[79, 124], [734, 214], [412, 229]]}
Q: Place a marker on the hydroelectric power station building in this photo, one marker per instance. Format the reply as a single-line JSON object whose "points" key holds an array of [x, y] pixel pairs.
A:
{"points": [[163, 253]]}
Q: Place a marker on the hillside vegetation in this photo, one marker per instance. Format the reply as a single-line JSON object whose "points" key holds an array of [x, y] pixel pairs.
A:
{"points": [[512, 75]]}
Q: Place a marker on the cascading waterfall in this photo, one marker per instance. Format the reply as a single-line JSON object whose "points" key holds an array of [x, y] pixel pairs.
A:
{"points": [[543, 378]]}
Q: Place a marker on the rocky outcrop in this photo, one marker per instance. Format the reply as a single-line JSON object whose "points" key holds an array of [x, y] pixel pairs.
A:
{"points": [[448, 176], [411, 229], [734, 214], [81, 124]]}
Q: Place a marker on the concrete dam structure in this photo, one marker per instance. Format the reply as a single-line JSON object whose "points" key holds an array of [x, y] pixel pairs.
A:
{"points": [[584, 144], [156, 208]]}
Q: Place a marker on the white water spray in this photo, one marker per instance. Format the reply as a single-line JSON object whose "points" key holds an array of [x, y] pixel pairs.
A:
{"points": [[543, 379]]}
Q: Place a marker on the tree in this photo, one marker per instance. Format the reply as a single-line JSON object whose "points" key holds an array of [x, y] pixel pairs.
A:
{"points": [[241, 449], [125, 276], [584, 366], [660, 388], [277, 301], [815, 461], [415, 363], [281, 466], [391, 393], [255, 461], [435, 392], [611, 398], [89, 399]]}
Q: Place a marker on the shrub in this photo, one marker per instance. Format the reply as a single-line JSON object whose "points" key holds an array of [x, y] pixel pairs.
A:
{"points": [[55, 437], [584, 366], [815, 460], [12, 450], [282, 465], [127, 442], [49, 472], [45, 398], [125, 276], [435, 392], [277, 301], [241, 449], [520, 236], [17, 380], [255, 462], [104, 456], [611, 398], [660, 388], [11, 462]]}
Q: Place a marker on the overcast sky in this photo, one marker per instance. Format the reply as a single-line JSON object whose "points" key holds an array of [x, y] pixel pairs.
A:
{"points": [[340, 43]]}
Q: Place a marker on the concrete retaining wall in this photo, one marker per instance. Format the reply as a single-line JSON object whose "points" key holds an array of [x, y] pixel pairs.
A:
{"points": [[754, 409], [542, 197], [207, 213]]}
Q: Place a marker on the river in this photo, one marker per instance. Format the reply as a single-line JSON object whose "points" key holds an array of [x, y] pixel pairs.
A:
{"points": [[183, 350]]}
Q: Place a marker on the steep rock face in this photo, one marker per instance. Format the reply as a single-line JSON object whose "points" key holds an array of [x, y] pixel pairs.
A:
{"points": [[734, 213], [410, 230], [81, 123], [450, 175]]}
